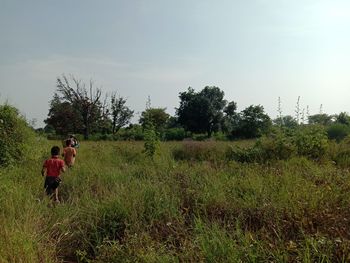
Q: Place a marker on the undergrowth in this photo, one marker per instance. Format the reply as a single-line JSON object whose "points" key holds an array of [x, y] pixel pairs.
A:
{"points": [[187, 204]]}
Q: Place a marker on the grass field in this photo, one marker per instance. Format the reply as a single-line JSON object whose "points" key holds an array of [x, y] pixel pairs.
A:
{"points": [[120, 206]]}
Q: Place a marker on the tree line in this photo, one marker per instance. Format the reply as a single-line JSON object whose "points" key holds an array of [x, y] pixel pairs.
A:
{"points": [[80, 108]]}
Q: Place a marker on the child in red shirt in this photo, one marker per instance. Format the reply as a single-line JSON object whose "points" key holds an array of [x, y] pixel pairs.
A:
{"points": [[69, 154], [52, 169]]}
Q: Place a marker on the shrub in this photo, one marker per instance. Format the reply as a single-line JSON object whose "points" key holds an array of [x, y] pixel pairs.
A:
{"points": [[15, 136], [338, 131], [341, 154], [277, 146], [151, 141], [174, 134], [135, 132], [311, 141]]}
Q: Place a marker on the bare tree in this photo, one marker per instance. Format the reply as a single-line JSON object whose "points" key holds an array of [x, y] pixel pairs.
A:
{"points": [[85, 100]]}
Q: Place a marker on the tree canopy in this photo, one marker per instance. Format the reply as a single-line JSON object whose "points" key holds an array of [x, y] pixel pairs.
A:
{"points": [[202, 111]]}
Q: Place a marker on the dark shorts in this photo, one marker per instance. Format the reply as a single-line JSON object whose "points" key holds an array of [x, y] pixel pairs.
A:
{"points": [[51, 183]]}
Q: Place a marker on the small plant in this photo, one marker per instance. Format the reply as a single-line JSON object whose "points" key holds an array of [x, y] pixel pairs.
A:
{"points": [[151, 140]]}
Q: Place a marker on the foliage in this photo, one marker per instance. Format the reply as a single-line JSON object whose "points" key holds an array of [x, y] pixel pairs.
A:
{"points": [[120, 113], [342, 118], [276, 146], [338, 131], [286, 121], [311, 141], [156, 116], [308, 141], [85, 101], [151, 139], [230, 119], [16, 137], [321, 119], [243, 155], [197, 151], [341, 154], [174, 134], [253, 122], [63, 118], [117, 205], [201, 111]]}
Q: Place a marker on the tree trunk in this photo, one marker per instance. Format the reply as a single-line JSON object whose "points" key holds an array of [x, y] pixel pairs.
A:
{"points": [[209, 133], [86, 133]]}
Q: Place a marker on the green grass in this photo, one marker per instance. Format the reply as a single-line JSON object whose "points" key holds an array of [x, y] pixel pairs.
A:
{"points": [[118, 205]]}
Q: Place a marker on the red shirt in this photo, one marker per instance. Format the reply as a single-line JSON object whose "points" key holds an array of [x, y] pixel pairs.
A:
{"points": [[53, 166]]}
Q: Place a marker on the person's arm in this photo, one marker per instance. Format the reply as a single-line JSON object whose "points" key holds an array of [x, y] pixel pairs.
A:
{"points": [[74, 152], [43, 170], [63, 167]]}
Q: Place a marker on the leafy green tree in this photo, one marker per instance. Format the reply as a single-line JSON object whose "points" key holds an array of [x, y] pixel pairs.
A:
{"points": [[62, 117], [231, 117], [253, 122], [338, 131], [286, 121], [157, 116], [322, 119], [343, 118], [120, 113], [201, 111]]}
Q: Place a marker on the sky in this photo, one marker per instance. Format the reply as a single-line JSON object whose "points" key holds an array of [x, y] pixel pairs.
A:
{"points": [[253, 50]]}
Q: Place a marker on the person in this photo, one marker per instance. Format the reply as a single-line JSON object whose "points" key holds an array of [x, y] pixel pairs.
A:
{"points": [[52, 169], [69, 154], [74, 141]]}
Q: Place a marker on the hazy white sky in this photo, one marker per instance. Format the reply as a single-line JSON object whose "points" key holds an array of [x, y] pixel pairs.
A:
{"points": [[256, 51]]}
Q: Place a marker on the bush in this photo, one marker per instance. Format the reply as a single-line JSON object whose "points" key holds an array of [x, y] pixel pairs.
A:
{"points": [[338, 131], [277, 146], [134, 133], [311, 141], [16, 136], [174, 134], [241, 155], [341, 154], [151, 141]]}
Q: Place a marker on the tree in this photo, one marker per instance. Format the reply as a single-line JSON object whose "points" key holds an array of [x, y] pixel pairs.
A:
{"points": [[231, 117], [85, 101], [286, 121], [253, 122], [62, 117], [202, 111], [322, 119], [157, 116], [120, 113], [343, 118]]}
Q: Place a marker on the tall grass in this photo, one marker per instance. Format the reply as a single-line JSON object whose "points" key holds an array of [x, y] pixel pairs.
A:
{"points": [[119, 205]]}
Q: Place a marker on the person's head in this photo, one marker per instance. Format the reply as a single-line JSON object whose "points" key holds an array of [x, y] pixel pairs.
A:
{"points": [[55, 150], [68, 142]]}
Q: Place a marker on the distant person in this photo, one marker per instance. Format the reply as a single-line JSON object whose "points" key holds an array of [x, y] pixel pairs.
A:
{"points": [[52, 169], [69, 154], [74, 141]]}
